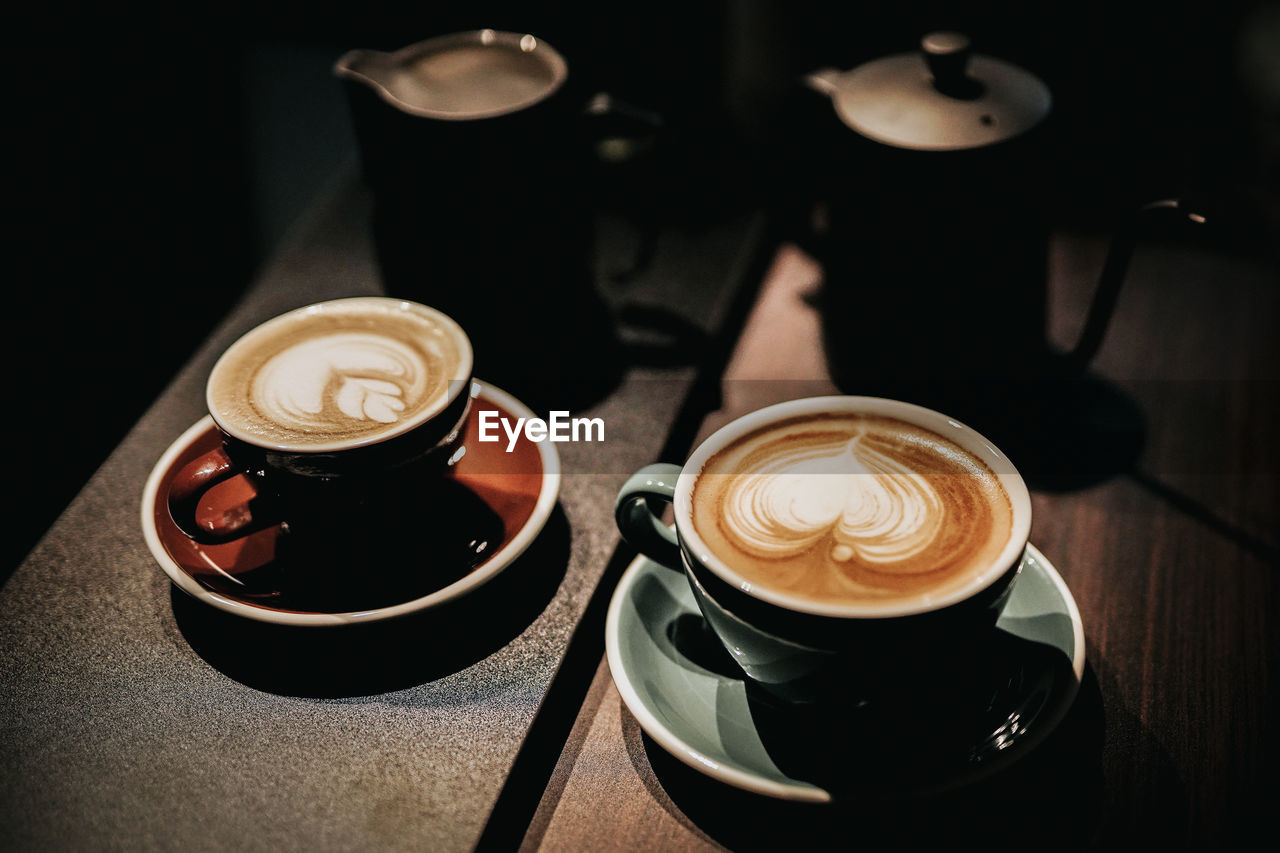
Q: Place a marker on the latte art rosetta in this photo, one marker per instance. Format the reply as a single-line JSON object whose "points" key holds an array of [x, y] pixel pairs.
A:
{"points": [[359, 370], [320, 383], [851, 508]]}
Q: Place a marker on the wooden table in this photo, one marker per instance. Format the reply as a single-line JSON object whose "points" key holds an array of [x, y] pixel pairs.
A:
{"points": [[1171, 558]]}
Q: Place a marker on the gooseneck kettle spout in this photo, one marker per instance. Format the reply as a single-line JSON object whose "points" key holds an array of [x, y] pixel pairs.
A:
{"points": [[1114, 268]]}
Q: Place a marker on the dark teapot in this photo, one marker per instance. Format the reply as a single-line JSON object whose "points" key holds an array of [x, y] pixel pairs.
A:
{"points": [[939, 213], [938, 194]]}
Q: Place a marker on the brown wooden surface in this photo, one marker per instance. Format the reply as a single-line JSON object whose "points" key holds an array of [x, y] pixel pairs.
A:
{"points": [[1171, 557]]}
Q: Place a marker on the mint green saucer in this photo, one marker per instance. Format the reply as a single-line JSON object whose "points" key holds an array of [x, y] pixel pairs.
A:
{"points": [[683, 690]]}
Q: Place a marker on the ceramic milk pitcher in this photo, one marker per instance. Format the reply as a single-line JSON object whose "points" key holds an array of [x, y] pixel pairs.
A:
{"points": [[473, 147]]}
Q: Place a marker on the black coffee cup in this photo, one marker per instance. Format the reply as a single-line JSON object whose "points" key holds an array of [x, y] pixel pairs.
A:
{"points": [[808, 648], [333, 412]]}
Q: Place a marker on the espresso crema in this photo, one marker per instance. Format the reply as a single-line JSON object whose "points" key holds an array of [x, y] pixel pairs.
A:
{"points": [[353, 371], [851, 508]]}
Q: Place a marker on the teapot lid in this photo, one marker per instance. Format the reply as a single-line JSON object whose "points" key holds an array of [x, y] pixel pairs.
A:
{"points": [[942, 98]]}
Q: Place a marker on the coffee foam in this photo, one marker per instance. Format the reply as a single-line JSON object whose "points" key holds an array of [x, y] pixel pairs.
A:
{"points": [[353, 373], [473, 79], [851, 508]]}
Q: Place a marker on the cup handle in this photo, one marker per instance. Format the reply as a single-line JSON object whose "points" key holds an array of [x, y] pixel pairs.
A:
{"points": [[192, 483], [638, 523]]}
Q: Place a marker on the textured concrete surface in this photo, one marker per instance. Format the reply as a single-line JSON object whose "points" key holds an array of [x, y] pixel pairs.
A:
{"points": [[135, 718]]}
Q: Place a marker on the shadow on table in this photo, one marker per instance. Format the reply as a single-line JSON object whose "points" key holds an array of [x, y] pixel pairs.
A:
{"points": [[1063, 434], [1052, 798], [377, 657]]}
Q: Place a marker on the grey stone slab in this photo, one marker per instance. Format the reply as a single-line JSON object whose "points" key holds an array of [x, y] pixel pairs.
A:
{"points": [[132, 717]]}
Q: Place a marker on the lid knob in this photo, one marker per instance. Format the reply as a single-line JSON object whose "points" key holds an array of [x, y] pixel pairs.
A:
{"points": [[947, 55]]}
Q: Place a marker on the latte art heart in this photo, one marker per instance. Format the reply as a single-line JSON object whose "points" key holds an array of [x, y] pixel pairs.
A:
{"points": [[856, 502], [851, 508]]}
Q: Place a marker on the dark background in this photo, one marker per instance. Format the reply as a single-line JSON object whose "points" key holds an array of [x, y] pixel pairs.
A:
{"points": [[160, 154]]}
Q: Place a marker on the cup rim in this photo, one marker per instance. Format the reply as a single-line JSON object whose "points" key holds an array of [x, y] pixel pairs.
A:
{"points": [[459, 384], [963, 435]]}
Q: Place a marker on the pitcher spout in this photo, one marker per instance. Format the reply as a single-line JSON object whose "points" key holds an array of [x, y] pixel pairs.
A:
{"points": [[367, 67]]}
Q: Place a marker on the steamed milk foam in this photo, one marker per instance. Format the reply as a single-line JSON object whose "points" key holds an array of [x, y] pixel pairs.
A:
{"points": [[851, 508], [355, 371], [473, 79]]}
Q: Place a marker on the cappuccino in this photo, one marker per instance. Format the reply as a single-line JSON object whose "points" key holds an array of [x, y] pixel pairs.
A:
{"points": [[341, 374], [851, 508]]}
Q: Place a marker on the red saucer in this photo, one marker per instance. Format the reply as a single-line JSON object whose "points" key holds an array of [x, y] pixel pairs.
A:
{"points": [[245, 577]]}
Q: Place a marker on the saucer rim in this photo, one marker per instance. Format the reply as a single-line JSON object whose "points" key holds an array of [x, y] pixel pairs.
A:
{"points": [[548, 495], [799, 791]]}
